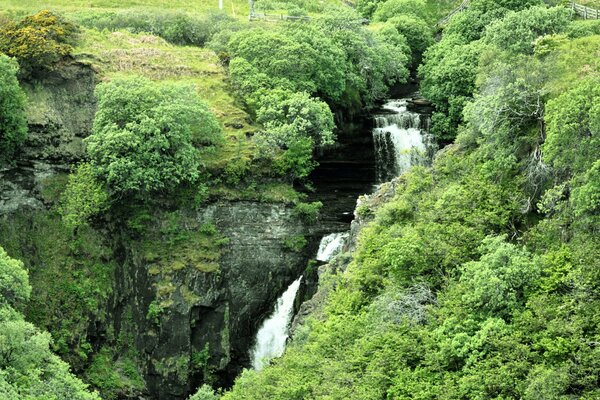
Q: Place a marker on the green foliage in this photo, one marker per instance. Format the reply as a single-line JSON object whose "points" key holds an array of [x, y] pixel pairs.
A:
{"points": [[143, 135], [83, 198], [460, 286], [71, 275], [13, 122], [448, 76], [392, 8], [14, 282], [573, 121], [114, 374], [296, 161], [288, 117], [297, 57], [205, 392], [28, 369], [295, 243], [308, 212], [517, 31], [175, 26], [38, 41]]}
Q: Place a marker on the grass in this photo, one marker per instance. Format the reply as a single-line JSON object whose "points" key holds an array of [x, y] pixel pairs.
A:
{"points": [[123, 53], [590, 3], [236, 8]]}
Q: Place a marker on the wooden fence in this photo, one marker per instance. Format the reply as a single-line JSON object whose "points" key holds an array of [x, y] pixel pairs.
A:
{"points": [[276, 17], [458, 9], [581, 10], [585, 12]]}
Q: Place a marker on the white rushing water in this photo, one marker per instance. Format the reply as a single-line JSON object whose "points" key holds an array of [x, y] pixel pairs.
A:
{"points": [[272, 335], [401, 139], [331, 245]]}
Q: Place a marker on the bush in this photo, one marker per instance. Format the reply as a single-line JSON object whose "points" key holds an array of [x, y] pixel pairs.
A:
{"points": [[308, 212], [143, 135], [39, 41], [289, 116], [177, 27], [393, 8], [295, 243], [83, 198], [13, 123]]}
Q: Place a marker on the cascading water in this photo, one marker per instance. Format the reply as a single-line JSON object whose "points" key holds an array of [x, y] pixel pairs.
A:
{"points": [[331, 245], [401, 139], [272, 335]]}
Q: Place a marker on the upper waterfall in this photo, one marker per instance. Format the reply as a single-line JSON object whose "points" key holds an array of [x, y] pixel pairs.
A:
{"points": [[401, 139]]}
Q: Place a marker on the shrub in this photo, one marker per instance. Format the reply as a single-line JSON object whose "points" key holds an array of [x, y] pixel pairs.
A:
{"points": [[290, 116], [13, 123], [177, 27], [295, 243], [393, 8], [143, 135], [39, 41], [83, 198], [308, 212]]}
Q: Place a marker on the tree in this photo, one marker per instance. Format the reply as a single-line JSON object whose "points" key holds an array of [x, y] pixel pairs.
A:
{"points": [[448, 79], [416, 31], [38, 41], [14, 281], [144, 135], [13, 122], [28, 369], [393, 8], [298, 56], [288, 116], [573, 128], [517, 31], [84, 197]]}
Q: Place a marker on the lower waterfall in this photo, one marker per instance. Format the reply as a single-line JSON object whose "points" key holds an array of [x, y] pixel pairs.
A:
{"points": [[272, 335]]}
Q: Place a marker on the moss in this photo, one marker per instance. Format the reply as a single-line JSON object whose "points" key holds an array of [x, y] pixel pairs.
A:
{"points": [[71, 275], [52, 187], [295, 243]]}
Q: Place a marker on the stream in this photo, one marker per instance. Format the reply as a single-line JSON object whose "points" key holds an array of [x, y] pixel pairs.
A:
{"points": [[400, 139]]}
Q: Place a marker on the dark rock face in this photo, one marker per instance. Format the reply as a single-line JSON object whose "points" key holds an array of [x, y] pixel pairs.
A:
{"points": [[219, 310]]}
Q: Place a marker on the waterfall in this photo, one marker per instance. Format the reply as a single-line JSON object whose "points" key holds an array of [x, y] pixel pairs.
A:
{"points": [[272, 335], [401, 139], [331, 245]]}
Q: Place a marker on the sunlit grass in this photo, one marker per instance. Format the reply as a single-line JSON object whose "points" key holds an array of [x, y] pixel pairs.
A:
{"points": [[238, 8], [124, 53]]}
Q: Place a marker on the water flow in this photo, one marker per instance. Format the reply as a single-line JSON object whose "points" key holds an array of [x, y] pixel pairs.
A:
{"points": [[331, 245], [272, 335], [401, 140]]}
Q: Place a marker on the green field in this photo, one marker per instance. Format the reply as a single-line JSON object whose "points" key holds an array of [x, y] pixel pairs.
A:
{"points": [[233, 7]]}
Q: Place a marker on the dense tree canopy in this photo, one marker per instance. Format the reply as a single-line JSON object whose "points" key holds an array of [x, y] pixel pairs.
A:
{"points": [[144, 135], [28, 369]]}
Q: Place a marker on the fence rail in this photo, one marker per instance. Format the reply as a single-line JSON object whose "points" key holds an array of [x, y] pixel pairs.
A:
{"points": [[276, 17], [585, 12], [581, 10], [458, 9]]}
